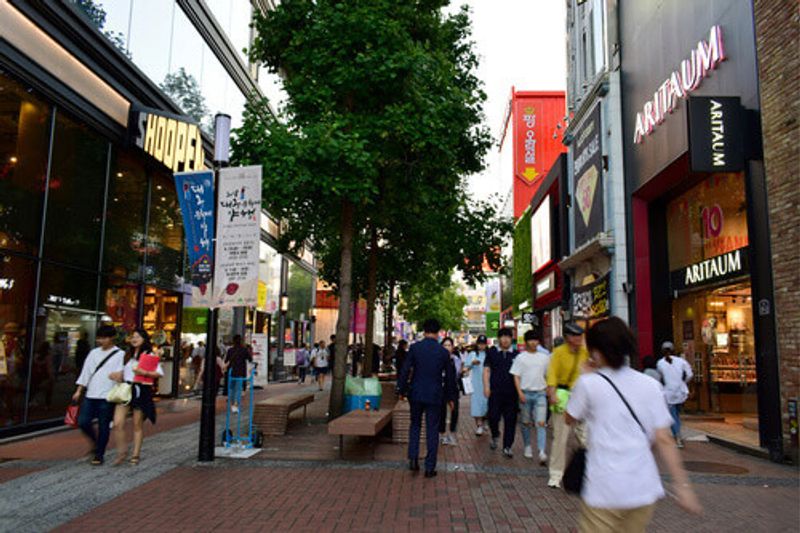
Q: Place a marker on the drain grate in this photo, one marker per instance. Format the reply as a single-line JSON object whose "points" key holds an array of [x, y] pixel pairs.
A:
{"points": [[708, 467]]}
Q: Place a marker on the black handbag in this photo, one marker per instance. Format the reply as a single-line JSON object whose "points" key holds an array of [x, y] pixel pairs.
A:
{"points": [[575, 472]]}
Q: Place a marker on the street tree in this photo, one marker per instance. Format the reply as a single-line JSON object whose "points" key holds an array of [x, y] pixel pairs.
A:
{"points": [[383, 108], [429, 300]]}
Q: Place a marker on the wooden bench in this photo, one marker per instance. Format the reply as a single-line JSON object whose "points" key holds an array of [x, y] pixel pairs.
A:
{"points": [[359, 423], [401, 423], [271, 416]]}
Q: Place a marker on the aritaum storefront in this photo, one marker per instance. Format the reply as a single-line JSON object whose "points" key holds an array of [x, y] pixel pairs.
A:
{"points": [[697, 207]]}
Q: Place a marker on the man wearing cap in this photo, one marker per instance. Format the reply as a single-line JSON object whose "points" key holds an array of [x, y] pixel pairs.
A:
{"points": [[498, 386], [562, 372], [676, 373], [479, 403]]}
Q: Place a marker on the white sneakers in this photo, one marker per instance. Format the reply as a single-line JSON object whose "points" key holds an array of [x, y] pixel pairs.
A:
{"points": [[542, 458], [479, 431], [528, 452], [449, 440], [234, 408], [679, 442]]}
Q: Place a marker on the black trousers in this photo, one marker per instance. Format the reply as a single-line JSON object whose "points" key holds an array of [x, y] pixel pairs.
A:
{"points": [[431, 423], [453, 417], [505, 406]]}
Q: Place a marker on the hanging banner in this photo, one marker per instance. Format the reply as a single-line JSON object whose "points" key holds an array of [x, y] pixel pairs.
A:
{"points": [[259, 343], [238, 237], [587, 163], [593, 300], [493, 295], [196, 198]]}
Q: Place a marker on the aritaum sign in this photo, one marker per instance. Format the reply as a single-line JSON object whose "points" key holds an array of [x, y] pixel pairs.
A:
{"points": [[709, 271]]}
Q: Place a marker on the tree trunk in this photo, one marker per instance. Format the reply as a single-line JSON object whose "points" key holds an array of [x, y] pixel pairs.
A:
{"points": [[372, 295], [343, 323], [387, 340]]}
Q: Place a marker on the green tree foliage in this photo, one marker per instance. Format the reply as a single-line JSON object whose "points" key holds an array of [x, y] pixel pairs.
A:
{"points": [[184, 90], [430, 300], [382, 123], [521, 271], [95, 13]]}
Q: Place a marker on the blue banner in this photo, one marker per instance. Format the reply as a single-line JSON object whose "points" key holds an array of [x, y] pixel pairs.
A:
{"points": [[196, 197]]}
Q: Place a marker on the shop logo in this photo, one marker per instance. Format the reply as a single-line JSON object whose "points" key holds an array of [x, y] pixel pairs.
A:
{"points": [[6, 284], [716, 127], [680, 83], [584, 193], [711, 270], [174, 142], [63, 300]]}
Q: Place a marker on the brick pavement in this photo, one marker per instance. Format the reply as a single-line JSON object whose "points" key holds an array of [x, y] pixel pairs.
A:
{"points": [[297, 484]]}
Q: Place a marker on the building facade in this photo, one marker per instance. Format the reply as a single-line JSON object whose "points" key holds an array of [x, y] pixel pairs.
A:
{"points": [[596, 258], [90, 227], [698, 220]]}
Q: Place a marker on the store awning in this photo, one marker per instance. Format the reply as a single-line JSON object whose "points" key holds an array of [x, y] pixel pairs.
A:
{"points": [[601, 243]]}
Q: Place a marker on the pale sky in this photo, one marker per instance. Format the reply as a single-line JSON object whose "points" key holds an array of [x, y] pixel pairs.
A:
{"points": [[520, 43]]}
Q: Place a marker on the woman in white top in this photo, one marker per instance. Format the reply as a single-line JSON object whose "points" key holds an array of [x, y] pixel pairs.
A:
{"points": [[320, 362], [622, 483], [675, 372]]}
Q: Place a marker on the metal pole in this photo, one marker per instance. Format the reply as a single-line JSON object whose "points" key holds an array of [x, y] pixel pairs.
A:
{"points": [[208, 408]]}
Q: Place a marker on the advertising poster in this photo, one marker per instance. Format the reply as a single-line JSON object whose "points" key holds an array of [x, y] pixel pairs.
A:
{"points": [[592, 300], [238, 237], [541, 243], [259, 343], [587, 162], [493, 295], [196, 197]]}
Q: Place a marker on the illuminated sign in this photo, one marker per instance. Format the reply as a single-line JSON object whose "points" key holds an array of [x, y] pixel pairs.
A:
{"points": [[680, 83], [63, 300], [171, 140], [712, 270], [715, 134], [6, 284]]}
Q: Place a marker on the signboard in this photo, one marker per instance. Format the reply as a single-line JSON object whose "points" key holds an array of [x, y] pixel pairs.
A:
{"points": [[716, 133], [196, 197], [718, 268], [587, 164], [592, 300], [680, 83], [493, 295], [536, 141], [290, 357], [530, 318], [259, 343], [541, 242], [492, 323], [238, 237], [172, 140]]}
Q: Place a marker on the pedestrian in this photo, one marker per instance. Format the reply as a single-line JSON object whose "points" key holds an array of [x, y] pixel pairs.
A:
{"points": [[676, 372], [301, 360], [142, 367], [626, 418], [93, 385], [498, 386], [421, 381], [321, 364], [562, 372], [478, 403], [82, 350], [400, 355], [449, 437], [530, 378], [236, 360]]}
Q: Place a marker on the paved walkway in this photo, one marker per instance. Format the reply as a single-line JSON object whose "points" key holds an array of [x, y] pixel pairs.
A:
{"points": [[297, 483]]}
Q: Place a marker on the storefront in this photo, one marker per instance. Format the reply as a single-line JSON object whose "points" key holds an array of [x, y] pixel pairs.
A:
{"points": [[697, 217], [548, 244]]}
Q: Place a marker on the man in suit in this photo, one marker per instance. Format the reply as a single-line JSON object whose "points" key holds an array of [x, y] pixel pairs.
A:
{"points": [[426, 378]]}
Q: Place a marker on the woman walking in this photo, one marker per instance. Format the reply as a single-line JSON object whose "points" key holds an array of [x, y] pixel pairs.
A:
{"points": [[142, 367], [625, 418], [676, 372], [479, 404], [455, 363]]}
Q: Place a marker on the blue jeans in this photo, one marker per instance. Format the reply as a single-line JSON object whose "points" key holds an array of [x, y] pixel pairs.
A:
{"points": [[103, 411], [675, 411], [534, 411]]}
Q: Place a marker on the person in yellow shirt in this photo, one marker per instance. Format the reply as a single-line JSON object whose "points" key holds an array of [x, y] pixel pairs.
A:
{"points": [[562, 373]]}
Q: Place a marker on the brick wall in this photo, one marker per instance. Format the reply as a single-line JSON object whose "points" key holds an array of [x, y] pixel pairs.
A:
{"points": [[777, 23]]}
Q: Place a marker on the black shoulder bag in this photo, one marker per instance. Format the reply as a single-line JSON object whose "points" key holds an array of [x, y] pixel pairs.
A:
{"points": [[576, 469]]}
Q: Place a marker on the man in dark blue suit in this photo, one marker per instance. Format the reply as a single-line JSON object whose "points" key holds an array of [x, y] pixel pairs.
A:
{"points": [[426, 378]]}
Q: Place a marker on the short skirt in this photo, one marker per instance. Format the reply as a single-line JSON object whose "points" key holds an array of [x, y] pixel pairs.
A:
{"points": [[142, 399]]}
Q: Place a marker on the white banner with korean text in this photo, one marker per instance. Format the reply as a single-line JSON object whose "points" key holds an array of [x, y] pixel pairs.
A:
{"points": [[238, 237]]}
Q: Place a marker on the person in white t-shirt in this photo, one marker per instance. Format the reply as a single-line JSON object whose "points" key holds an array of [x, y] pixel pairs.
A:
{"points": [[622, 483], [676, 372], [320, 361], [95, 382], [530, 377]]}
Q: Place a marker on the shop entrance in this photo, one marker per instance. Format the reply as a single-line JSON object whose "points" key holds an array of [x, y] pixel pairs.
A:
{"points": [[715, 330]]}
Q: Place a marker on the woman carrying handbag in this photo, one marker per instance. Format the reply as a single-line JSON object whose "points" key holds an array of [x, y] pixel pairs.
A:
{"points": [[625, 416], [141, 368]]}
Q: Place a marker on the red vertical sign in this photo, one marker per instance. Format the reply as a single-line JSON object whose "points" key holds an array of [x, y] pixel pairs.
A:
{"points": [[537, 140]]}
